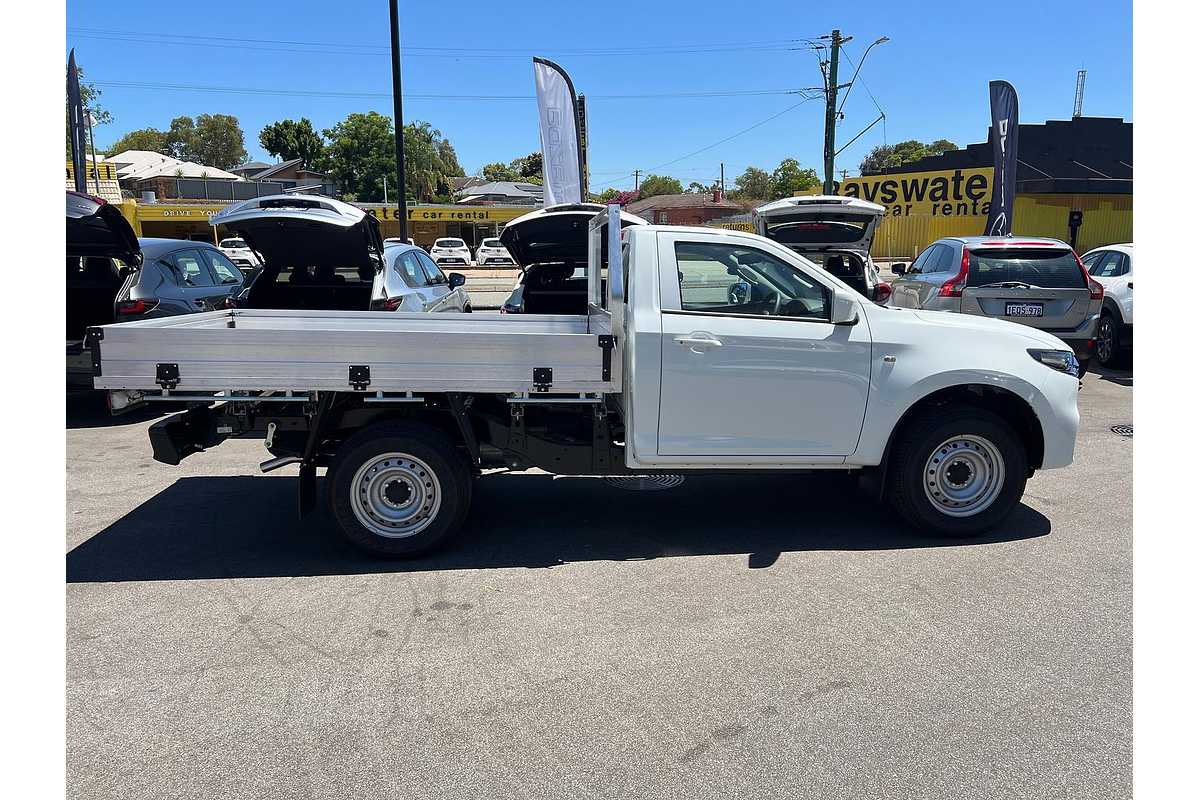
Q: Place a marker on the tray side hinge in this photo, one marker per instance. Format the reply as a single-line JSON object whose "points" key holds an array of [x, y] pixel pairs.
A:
{"points": [[543, 379], [92, 340], [166, 375], [606, 342], [360, 377]]}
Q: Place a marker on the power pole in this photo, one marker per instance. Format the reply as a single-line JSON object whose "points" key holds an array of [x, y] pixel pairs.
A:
{"points": [[722, 180], [831, 91], [636, 174], [402, 214]]}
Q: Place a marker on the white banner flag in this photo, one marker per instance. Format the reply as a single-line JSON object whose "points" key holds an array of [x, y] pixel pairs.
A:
{"points": [[561, 151]]}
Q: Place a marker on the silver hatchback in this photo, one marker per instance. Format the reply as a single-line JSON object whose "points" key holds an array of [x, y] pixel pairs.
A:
{"points": [[1033, 281]]}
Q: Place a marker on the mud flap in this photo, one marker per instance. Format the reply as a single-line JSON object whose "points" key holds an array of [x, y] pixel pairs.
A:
{"points": [[307, 494]]}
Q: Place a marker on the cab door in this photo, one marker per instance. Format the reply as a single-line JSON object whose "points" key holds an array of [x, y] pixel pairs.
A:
{"points": [[752, 366]]}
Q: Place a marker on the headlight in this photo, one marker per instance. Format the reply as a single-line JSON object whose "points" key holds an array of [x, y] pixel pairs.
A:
{"points": [[1061, 360]]}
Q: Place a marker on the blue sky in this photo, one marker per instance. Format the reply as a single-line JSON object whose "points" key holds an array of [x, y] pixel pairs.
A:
{"points": [[930, 78]]}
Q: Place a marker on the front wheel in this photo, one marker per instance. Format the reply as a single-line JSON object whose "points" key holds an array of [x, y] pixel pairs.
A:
{"points": [[399, 489], [956, 471]]}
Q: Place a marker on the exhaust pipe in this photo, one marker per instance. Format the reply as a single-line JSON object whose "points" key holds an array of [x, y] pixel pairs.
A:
{"points": [[272, 464]]}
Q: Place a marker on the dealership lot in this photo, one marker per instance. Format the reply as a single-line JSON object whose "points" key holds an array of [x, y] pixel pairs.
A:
{"points": [[757, 636]]}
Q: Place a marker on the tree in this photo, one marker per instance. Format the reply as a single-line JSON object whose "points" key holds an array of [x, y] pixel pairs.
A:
{"points": [[788, 179], [361, 150], [142, 139], [212, 139], [180, 139], [529, 168], [606, 196], [429, 163], [219, 141], [655, 185], [753, 184], [893, 156], [497, 171], [288, 139]]}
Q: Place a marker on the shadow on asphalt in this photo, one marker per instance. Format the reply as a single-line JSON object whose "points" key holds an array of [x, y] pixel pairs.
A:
{"points": [[1123, 375], [239, 527], [89, 409]]}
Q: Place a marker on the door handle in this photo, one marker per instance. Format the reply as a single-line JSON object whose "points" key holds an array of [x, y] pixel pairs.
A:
{"points": [[698, 341]]}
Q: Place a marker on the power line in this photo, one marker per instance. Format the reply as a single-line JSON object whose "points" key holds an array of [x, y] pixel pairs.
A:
{"points": [[719, 142], [348, 48], [255, 90]]}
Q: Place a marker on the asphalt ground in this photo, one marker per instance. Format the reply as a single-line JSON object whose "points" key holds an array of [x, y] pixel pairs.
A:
{"points": [[732, 637]]}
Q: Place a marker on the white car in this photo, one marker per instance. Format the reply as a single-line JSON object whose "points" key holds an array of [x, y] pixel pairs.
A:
{"points": [[237, 251], [831, 231], [1112, 267], [491, 252], [450, 251]]}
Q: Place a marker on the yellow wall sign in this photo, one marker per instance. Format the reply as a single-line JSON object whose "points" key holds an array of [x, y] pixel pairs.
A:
{"points": [[156, 212], [107, 171], [446, 214], [944, 193]]}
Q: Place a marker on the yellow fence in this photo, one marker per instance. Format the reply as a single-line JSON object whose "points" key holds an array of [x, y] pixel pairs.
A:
{"points": [[1107, 219]]}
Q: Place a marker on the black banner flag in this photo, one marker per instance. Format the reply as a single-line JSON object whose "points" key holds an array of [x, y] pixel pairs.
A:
{"points": [[1004, 157], [75, 125]]}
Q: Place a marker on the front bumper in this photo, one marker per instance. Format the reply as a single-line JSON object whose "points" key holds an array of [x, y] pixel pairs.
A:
{"points": [[1057, 410]]}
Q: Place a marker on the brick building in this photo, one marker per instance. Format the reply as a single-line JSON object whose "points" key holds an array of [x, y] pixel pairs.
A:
{"points": [[689, 208]]}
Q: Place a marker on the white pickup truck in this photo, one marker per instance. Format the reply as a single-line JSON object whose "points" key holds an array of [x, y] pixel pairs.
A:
{"points": [[703, 350]]}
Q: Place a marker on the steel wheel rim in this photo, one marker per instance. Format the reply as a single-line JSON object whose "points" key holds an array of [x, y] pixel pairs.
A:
{"points": [[964, 475], [1104, 340], [395, 495]]}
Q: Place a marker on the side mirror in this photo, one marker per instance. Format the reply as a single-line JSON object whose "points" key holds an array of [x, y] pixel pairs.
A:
{"points": [[457, 279], [899, 269], [845, 308]]}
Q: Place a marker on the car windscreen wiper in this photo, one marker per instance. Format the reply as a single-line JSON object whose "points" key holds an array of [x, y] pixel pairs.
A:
{"points": [[1008, 285]]}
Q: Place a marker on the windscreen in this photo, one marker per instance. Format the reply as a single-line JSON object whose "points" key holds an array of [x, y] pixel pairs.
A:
{"points": [[490, 243], [817, 228], [1044, 269], [449, 243], [232, 243]]}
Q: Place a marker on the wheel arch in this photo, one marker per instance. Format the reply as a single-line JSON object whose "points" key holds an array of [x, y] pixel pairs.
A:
{"points": [[1004, 403]]}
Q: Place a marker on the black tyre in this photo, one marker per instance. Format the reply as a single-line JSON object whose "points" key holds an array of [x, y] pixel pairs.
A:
{"points": [[1108, 339], [399, 489], [956, 471]]}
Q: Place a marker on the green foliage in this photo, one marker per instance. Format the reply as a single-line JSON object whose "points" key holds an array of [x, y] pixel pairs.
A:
{"points": [[753, 184], [788, 179], [219, 141], [606, 196], [288, 139], [893, 156], [655, 185], [144, 139], [362, 150], [498, 171]]}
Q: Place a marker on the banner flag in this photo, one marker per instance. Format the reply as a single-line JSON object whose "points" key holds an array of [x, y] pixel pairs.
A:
{"points": [[75, 125], [562, 149], [1004, 158]]}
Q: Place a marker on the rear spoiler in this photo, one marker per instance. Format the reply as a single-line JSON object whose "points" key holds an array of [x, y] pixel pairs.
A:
{"points": [[605, 229]]}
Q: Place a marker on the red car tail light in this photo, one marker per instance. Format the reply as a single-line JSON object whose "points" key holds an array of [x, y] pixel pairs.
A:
{"points": [[883, 292], [1095, 290], [392, 303], [130, 307], [954, 286]]}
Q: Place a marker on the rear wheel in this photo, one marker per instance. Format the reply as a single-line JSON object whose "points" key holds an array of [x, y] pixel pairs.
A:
{"points": [[956, 471], [399, 489], [1108, 339]]}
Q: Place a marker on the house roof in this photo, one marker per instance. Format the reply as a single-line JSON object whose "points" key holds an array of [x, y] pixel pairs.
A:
{"points": [[685, 200], [251, 166], [507, 189], [143, 164]]}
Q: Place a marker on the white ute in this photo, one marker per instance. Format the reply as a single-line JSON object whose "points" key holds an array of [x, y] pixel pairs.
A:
{"points": [[668, 372]]}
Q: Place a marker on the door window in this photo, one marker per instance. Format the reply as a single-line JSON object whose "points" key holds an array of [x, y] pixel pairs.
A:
{"points": [[410, 269], [191, 269], [1113, 265], [922, 261], [733, 279], [432, 271], [941, 260], [223, 269]]}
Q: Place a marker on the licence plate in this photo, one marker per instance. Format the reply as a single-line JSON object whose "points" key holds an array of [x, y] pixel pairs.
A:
{"points": [[1023, 310]]}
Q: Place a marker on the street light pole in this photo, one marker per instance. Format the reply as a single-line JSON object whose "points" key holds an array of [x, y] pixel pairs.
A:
{"points": [[399, 120]]}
